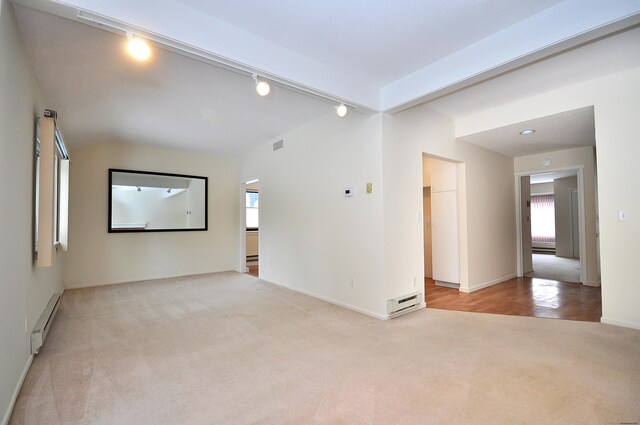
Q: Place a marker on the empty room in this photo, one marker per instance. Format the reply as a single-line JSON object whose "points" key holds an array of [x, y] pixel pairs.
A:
{"points": [[226, 212]]}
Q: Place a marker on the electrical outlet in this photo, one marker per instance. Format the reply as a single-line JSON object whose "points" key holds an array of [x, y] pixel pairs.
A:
{"points": [[352, 282], [415, 282], [154, 262], [26, 324]]}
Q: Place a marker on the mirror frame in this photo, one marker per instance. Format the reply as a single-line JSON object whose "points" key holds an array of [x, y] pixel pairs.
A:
{"points": [[110, 229]]}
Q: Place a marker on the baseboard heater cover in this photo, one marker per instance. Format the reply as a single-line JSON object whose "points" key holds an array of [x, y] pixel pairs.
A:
{"points": [[447, 284], [404, 304], [43, 325]]}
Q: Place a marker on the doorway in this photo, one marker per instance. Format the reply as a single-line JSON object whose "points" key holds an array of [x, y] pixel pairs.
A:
{"points": [[552, 226], [441, 222], [252, 227]]}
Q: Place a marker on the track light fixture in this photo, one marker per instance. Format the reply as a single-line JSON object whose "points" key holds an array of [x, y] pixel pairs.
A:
{"points": [[138, 48], [141, 49], [262, 87], [341, 110]]}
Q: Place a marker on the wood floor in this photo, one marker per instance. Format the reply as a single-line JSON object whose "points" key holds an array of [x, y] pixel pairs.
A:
{"points": [[517, 297], [522, 297], [253, 270]]}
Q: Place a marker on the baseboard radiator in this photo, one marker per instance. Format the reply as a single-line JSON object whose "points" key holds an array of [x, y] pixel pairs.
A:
{"points": [[404, 304], [43, 325]]}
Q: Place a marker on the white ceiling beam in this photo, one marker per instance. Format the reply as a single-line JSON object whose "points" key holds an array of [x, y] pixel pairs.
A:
{"points": [[566, 25]]}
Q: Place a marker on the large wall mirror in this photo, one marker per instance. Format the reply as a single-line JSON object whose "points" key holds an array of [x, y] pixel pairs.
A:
{"points": [[142, 201]]}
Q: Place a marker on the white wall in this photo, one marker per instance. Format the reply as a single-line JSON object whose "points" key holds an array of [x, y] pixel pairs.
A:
{"points": [[97, 257], [252, 243], [488, 227], [428, 241], [196, 204], [541, 188], [616, 106], [312, 238], [24, 290], [525, 219], [562, 205]]}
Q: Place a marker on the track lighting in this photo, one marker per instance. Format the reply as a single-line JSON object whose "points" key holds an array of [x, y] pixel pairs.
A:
{"points": [[139, 190], [138, 48], [169, 190], [141, 50], [262, 87], [341, 110]]}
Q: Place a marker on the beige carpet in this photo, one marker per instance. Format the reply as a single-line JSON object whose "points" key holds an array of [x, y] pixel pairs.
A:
{"points": [[230, 349], [548, 266]]}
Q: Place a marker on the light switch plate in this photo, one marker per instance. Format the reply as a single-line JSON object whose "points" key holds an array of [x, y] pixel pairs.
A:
{"points": [[623, 215]]}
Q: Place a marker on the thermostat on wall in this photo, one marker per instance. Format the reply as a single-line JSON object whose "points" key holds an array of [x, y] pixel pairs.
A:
{"points": [[348, 192]]}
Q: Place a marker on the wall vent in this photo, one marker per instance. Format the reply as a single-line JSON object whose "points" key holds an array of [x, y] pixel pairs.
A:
{"points": [[404, 304], [44, 324], [278, 145]]}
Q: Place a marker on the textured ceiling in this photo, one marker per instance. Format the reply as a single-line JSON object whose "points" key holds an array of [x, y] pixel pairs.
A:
{"points": [[554, 132], [178, 102], [376, 55], [171, 101], [379, 40]]}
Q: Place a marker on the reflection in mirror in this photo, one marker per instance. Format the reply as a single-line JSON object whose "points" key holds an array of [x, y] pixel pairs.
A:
{"points": [[141, 201]]}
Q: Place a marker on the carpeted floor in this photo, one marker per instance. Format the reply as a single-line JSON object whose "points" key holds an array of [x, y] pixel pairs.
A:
{"points": [[231, 349], [548, 266]]}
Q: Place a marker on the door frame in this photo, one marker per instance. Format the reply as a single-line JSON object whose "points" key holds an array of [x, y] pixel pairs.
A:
{"points": [[242, 245], [461, 188], [581, 217]]}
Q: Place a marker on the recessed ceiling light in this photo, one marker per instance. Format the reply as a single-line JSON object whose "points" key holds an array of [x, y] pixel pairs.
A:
{"points": [[527, 132], [139, 49]]}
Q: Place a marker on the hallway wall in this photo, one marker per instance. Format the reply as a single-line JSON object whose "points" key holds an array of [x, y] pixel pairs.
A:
{"points": [[487, 250], [313, 239], [564, 224]]}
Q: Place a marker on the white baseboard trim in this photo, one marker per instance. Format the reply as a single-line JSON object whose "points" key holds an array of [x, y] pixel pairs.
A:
{"points": [[598, 283], [119, 282], [14, 397], [487, 284], [621, 323], [331, 301]]}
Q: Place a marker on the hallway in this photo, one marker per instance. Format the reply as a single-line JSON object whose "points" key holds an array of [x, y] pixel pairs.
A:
{"points": [[548, 266]]}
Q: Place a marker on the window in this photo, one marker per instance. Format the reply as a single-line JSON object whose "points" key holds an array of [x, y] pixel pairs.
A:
{"points": [[543, 218], [252, 205], [51, 190]]}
